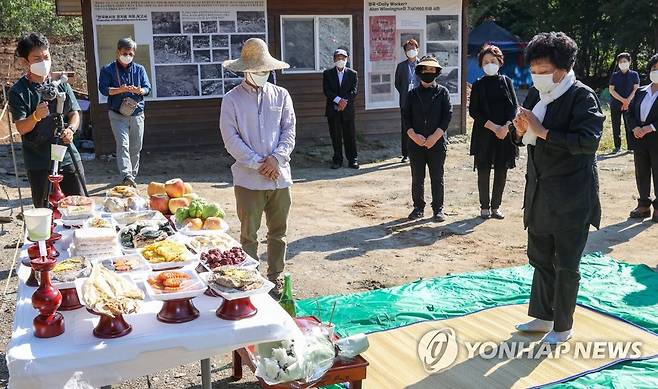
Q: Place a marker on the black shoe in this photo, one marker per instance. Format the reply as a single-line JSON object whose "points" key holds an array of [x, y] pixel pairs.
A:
{"points": [[277, 291], [439, 217], [496, 213], [640, 212], [354, 165], [336, 165], [416, 214], [404, 160]]}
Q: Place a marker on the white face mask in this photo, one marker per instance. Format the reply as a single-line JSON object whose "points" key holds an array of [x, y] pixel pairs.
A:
{"points": [[126, 59], [491, 69], [654, 76], [543, 82], [258, 79], [624, 65], [340, 63], [412, 53], [41, 69]]}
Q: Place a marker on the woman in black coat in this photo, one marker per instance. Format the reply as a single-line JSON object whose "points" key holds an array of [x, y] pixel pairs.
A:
{"points": [[493, 106], [642, 120], [561, 123]]}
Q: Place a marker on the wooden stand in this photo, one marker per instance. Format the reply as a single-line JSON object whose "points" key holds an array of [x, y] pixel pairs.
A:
{"points": [[178, 311], [70, 300], [236, 309], [352, 370], [111, 327], [46, 299]]}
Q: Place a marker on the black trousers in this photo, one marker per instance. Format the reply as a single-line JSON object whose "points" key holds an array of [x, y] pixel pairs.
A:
{"points": [[616, 116], [500, 178], [39, 182], [556, 259], [434, 159], [646, 169], [404, 138], [342, 131]]}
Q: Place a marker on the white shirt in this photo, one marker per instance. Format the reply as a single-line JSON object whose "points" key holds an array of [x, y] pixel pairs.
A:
{"points": [[341, 73], [647, 103]]}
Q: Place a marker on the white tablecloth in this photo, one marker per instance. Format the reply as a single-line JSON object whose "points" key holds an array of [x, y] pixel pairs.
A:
{"points": [[150, 347]]}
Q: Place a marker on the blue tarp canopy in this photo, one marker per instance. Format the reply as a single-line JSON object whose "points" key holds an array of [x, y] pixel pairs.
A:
{"points": [[490, 32]]}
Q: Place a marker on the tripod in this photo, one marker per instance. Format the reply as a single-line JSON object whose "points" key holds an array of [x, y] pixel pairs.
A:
{"points": [[59, 128]]}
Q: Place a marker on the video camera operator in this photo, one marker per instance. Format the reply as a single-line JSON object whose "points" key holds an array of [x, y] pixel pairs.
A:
{"points": [[36, 119]]}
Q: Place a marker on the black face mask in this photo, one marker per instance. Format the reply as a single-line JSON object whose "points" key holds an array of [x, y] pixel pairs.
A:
{"points": [[427, 77]]}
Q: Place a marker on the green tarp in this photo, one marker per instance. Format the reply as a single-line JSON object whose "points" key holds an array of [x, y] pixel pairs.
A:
{"points": [[624, 290]]}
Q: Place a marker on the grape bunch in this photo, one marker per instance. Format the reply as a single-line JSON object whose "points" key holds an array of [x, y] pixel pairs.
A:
{"points": [[215, 257]]}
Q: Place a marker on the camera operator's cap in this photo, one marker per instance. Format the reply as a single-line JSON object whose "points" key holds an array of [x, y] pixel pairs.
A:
{"points": [[341, 52], [430, 61], [255, 57]]}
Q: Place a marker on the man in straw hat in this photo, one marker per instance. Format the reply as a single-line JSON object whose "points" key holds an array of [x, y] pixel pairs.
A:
{"points": [[427, 114], [257, 123]]}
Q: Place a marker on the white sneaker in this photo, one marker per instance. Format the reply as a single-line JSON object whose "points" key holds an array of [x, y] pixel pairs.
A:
{"points": [[554, 338], [535, 325]]}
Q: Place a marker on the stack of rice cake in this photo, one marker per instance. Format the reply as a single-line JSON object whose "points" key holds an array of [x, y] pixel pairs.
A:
{"points": [[96, 243]]}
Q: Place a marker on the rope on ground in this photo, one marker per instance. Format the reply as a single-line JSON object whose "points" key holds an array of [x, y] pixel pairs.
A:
{"points": [[12, 266]]}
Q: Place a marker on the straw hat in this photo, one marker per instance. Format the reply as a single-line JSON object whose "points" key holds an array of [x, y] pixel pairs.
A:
{"points": [[255, 57], [430, 61]]}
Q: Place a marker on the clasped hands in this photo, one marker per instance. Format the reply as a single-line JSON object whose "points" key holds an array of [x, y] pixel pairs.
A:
{"points": [[269, 168], [526, 120], [131, 89], [640, 132], [423, 141]]}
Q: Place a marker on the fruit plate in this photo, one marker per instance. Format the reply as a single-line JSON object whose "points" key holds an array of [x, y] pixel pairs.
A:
{"points": [[193, 287], [186, 231], [124, 218], [201, 243], [235, 294], [248, 263], [190, 259]]}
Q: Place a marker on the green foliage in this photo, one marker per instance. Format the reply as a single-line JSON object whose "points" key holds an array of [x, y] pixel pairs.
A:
{"points": [[20, 16], [601, 28]]}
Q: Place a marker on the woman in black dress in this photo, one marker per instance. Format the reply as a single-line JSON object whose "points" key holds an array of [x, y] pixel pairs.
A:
{"points": [[642, 122], [492, 106]]}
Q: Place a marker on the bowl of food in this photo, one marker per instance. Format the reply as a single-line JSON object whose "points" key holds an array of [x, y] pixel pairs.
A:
{"points": [[174, 285], [142, 233], [235, 256], [234, 282]]}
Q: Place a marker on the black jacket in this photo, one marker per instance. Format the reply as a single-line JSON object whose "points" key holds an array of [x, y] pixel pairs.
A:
{"points": [[562, 185], [346, 90], [485, 146], [649, 141], [425, 119], [402, 81]]}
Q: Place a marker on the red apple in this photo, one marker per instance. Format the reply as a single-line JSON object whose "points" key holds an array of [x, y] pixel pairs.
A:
{"points": [[176, 203], [160, 203], [188, 188], [175, 188]]}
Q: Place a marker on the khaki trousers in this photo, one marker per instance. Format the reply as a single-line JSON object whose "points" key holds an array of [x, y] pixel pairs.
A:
{"points": [[250, 207]]}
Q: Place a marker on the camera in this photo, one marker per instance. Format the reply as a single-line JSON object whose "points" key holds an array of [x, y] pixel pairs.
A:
{"points": [[47, 91]]}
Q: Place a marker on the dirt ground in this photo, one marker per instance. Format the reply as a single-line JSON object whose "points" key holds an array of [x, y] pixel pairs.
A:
{"points": [[348, 229]]}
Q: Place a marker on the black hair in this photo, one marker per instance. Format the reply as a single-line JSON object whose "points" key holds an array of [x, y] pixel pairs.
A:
{"points": [[126, 43], [29, 42], [624, 56], [652, 61], [493, 50], [556, 47]]}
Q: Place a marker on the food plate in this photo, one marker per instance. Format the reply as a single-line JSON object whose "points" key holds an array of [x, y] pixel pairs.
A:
{"points": [[100, 222], [71, 277], [79, 283], [249, 263], [201, 243], [144, 232], [136, 262], [125, 218], [95, 257], [75, 222], [189, 258], [193, 287], [186, 231], [235, 294]]}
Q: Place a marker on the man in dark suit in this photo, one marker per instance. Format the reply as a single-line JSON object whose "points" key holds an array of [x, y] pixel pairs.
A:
{"points": [[340, 86], [406, 80]]}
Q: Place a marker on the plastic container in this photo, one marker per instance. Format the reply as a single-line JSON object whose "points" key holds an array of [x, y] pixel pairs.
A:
{"points": [[38, 222]]}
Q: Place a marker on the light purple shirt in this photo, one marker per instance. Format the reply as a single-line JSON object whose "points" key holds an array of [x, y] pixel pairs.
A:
{"points": [[256, 123]]}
